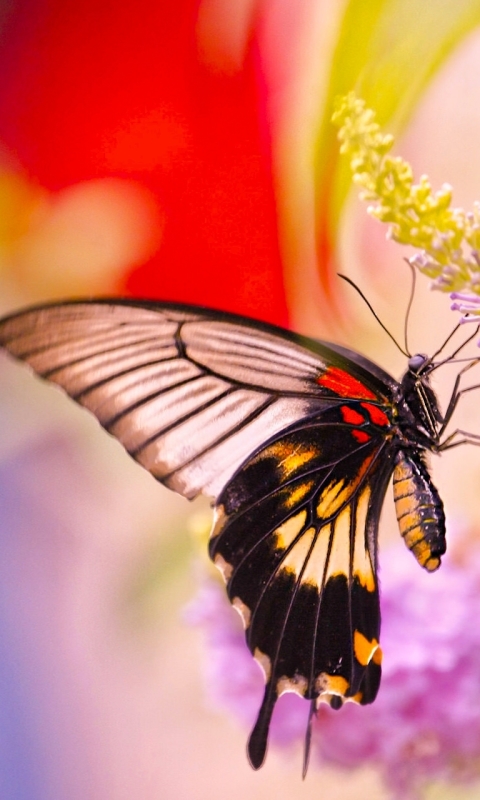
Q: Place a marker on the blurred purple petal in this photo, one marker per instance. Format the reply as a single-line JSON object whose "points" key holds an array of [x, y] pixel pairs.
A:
{"points": [[425, 723]]}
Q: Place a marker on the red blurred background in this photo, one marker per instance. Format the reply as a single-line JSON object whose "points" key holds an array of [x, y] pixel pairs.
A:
{"points": [[130, 90]]}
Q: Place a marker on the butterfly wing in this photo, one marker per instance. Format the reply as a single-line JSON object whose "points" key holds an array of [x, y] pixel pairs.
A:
{"points": [[189, 394], [287, 434], [295, 538]]}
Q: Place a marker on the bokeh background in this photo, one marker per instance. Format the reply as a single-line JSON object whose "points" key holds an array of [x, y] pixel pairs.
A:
{"points": [[182, 151]]}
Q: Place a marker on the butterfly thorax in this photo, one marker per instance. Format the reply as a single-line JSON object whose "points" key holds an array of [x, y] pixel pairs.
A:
{"points": [[419, 417]]}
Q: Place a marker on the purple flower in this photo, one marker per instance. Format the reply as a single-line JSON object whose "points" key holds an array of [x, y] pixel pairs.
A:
{"points": [[425, 723], [468, 304]]}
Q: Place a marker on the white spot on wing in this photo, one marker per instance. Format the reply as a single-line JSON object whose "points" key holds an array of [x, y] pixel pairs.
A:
{"points": [[297, 684], [225, 568], [264, 662], [243, 610]]}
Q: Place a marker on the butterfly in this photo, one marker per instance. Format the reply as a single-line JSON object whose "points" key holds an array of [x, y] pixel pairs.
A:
{"points": [[294, 439]]}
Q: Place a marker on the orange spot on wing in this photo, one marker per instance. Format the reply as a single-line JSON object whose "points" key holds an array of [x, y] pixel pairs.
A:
{"points": [[366, 650], [343, 384], [376, 414]]}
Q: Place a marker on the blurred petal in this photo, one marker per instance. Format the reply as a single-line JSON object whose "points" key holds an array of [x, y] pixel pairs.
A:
{"points": [[223, 30], [425, 724], [86, 236]]}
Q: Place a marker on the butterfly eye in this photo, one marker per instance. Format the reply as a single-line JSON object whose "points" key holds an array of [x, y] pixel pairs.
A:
{"points": [[417, 362]]}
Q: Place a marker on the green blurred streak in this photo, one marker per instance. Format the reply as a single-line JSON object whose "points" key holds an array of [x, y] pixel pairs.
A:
{"points": [[161, 580], [387, 51]]}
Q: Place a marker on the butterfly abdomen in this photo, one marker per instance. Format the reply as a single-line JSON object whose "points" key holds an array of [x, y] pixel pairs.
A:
{"points": [[419, 509]]}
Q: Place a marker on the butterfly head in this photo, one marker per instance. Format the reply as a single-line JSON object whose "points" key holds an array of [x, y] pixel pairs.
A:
{"points": [[419, 365]]}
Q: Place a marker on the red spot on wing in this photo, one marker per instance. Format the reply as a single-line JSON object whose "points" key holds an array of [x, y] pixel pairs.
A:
{"points": [[376, 414], [343, 384], [360, 436], [351, 416]]}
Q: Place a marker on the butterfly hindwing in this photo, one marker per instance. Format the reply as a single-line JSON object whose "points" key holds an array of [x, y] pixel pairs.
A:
{"points": [[295, 538]]}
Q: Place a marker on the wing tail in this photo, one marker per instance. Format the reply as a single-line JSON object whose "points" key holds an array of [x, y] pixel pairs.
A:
{"points": [[258, 740]]}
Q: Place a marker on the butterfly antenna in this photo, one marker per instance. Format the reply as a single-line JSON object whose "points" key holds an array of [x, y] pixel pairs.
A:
{"points": [[308, 738], [409, 306], [357, 289]]}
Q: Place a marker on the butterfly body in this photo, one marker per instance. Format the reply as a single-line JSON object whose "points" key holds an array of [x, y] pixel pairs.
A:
{"points": [[296, 441]]}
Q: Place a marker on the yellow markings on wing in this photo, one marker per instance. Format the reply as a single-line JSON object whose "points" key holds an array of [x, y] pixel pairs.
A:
{"points": [[287, 532], [311, 549], [315, 569], [310, 562], [294, 561], [295, 496], [338, 492], [332, 498], [339, 561], [331, 684], [362, 564], [289, 456], [307, 561]]}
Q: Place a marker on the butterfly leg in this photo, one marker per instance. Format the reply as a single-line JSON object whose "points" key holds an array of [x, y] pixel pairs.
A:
{"points": [[468, 438], [456, 395]]}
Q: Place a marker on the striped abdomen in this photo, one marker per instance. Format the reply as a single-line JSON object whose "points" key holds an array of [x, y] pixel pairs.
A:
{"points": [[419, 510]]}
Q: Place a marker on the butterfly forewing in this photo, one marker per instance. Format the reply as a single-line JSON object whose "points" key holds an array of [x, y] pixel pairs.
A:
{"points": [[169, 383], [189, 394]]}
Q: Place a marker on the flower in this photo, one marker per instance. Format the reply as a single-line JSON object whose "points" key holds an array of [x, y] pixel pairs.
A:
{"points": [[468, 304], [447, 238], [425, 723]]}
